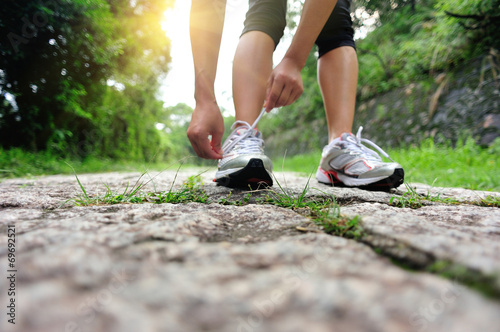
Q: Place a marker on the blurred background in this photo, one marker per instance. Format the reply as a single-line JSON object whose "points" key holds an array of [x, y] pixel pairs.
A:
{"points": [[108, 84]]}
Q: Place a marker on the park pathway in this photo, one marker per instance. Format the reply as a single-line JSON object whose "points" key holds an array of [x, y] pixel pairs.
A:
{"points": [[244, 267]]}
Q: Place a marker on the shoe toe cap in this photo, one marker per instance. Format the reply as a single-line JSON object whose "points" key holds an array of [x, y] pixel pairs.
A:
{"points": [[243, 160], [387, 169]]}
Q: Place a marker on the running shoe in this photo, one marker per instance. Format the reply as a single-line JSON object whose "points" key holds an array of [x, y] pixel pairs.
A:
{"points": [[243, 162], [346, 161]]}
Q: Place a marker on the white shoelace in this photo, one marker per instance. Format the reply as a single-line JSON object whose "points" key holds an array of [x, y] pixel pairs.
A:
{"points": [[363, 149], [250, 145]]}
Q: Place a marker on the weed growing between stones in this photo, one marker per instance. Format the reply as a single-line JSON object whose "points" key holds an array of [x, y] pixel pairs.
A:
{"points": [[288, 200], [422, 262], [324, 212], [485, 284], [411, 199], [339, 225], [84, 198], [190, 191], [227, 200], [491, 201]]}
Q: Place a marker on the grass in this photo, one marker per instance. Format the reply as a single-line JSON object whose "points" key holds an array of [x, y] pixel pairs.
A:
{"points": [[466, 165], [336, 224], [286, 199], [491, 201], [228, 201], [19, 163], [325, 212], [411, 199], [16, 163], [190, 191]]}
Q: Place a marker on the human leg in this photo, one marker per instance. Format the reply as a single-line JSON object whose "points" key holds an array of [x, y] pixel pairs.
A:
{"points": [[338, 78], [338, 70], [264, 25], [252, 66], [346, 160], [244, 162]]}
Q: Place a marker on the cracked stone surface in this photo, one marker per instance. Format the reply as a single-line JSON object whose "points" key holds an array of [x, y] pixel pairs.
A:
{"points": [[213, 267], [468, 235]]}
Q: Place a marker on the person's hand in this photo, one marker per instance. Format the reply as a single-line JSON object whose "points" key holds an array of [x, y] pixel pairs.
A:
{"points": [[284, 86], [206, 120]]}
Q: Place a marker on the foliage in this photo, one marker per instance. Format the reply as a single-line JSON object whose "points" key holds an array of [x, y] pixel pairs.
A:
{"points": [[383, 9], [80, 78], [408, 48], [480, 18], [19, 163], [466, 165], [413, 44]]}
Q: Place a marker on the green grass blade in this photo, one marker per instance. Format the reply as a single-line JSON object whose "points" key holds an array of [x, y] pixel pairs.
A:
{"points": [[79, 183]]}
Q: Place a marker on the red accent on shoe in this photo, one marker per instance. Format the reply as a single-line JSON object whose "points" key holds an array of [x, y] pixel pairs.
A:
{"points": [[332, 175]]}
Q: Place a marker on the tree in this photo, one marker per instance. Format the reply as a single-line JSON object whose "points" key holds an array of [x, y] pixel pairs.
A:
{"points": [[383, 10], [480, 18], [51, 52], [66, 64]]}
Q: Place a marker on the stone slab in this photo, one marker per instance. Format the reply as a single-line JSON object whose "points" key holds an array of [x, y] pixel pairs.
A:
{"points": [[210, 267], [465, 234]]}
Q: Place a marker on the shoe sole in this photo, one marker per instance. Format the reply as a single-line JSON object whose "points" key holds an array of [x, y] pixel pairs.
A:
{"points": [[253, 175], [393, 181]]}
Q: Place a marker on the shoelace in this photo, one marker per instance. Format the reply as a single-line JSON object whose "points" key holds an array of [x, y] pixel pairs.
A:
{"points": [[358, 143], [248, 146]]}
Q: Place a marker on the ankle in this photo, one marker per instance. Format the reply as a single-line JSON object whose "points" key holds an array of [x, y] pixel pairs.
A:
{"points": [[336, 134]]}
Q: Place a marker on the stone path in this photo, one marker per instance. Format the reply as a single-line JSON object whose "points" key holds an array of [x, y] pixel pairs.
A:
{"points": [[212, 267]]}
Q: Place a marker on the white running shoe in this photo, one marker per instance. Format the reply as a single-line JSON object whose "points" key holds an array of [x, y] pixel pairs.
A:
{"points": [[347, 162], [244, 163]]}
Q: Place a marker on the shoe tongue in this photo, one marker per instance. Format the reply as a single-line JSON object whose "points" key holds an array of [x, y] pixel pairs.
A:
{"points": [[347, 136], [243, 131]]}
